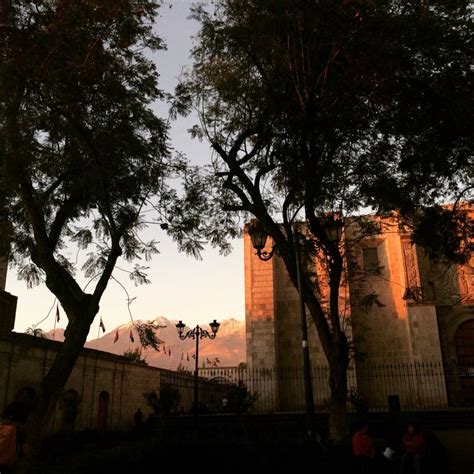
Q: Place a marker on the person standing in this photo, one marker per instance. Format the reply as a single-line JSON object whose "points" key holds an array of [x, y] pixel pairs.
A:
{"points": [[138, 417], [225, 403], [414, 445]]}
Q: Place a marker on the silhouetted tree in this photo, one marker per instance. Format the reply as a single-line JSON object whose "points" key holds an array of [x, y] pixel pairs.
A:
{"points": [[166, 402], [83, 155], [135, 355], [317, 108]]}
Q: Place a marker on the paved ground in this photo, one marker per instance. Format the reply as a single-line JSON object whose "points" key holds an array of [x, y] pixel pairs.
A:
{"points": [[460, 448], [234, 447], [147, 456]]}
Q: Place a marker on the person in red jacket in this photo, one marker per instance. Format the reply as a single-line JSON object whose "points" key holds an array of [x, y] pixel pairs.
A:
{"points": [[363, 448], [414, 444]]}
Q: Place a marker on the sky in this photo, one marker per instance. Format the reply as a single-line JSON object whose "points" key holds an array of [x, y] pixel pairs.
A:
{"points": [[181, 287]]}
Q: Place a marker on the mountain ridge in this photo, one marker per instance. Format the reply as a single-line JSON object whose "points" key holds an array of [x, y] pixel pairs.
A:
{"points": [[226, 350]]}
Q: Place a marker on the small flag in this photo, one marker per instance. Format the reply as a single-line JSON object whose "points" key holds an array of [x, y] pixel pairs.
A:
{"points": [[57, 313], [208, 361], [193, 356], [217, 360], [116, 336], [101, 325], [215, 364], [131, 336]]}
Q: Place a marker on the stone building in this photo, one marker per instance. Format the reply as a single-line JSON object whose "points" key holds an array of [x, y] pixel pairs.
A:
{"points": [[108, 388], [407, 317]]}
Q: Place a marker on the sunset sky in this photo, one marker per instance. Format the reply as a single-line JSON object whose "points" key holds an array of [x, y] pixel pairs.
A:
{"points": [[181, 288]]}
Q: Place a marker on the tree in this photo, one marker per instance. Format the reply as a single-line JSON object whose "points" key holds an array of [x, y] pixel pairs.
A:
{"points": [[135, 355], [240, 398], [82, 155], [164, 404], [317, 109], [69, 402]]}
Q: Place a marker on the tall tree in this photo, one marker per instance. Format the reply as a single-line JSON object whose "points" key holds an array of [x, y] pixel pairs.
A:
{"points": [[316, 108], [83, 154]]}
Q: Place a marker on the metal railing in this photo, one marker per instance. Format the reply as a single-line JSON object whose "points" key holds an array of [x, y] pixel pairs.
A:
{"points": [[385, 387], [211, 392]]}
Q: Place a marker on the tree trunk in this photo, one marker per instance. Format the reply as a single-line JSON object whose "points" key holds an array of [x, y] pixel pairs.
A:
{"points": [[338, 404], [54, 382]]}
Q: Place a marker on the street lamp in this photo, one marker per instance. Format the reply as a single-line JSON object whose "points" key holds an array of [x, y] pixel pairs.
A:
{"points": [[197, 333], [332, 227], [259, 237]]}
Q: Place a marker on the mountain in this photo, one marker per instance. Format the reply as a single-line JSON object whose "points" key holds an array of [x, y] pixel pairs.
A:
{"points": [[228, 346]]}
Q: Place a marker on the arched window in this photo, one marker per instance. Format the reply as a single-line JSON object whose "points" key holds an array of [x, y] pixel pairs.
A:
{"points": [[22, 404], [104, 399], [26, 395], [465, 356], [69, 402]]}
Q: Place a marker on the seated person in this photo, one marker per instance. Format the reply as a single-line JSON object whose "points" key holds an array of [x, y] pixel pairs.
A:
{"points": [[363, 448]]}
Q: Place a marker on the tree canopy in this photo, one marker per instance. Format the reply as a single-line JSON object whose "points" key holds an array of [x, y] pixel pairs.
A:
{"points": [[340, 106], [83, 152]]}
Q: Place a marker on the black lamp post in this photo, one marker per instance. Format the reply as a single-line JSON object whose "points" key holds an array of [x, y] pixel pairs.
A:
{"points": [[259, 237], [197, 333], [332, 228]]}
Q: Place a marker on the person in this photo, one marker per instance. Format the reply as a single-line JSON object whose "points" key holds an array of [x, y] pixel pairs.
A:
{"points": [[363, 448], [358, 401], [138, 417], [414, 445], [14, 416]]}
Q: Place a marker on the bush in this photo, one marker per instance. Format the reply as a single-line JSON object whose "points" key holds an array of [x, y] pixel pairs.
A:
{"points": [[240, 399], [164, 404]]}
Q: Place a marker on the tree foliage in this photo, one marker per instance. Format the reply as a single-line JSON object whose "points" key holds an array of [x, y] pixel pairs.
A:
{"points": [[147, 335], [135, 355], [338, 106], [240, 398], [166, 402], [83, 151]]}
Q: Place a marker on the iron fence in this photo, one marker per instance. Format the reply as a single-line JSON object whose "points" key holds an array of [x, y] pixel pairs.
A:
{"points": [[384, 387], [211, 392]]}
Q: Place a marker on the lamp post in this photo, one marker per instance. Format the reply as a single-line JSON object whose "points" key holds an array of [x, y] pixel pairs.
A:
{"points": [[197, 333], [258, 235]]}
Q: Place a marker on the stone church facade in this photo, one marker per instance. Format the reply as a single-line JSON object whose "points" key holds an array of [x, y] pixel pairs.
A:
{"points": [[403, 313]]}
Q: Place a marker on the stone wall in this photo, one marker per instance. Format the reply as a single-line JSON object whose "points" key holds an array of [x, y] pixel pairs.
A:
{"points": [[7, 312], [288, 323], [24, 361], [259, 309], [3, 272]]}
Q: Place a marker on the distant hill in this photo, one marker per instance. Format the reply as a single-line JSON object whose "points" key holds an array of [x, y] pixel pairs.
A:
{"points": [[228, 346]]}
